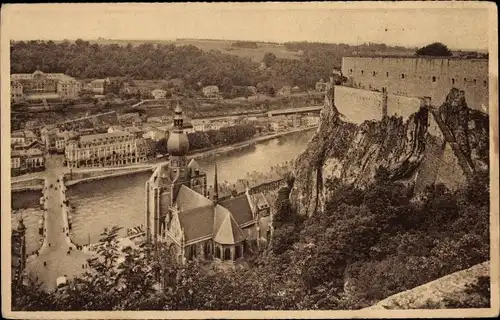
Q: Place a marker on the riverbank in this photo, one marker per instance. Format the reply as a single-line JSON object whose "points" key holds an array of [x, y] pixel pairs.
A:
{"points": [[97, 175], [29, 184], [103, 173], [244, 144]]}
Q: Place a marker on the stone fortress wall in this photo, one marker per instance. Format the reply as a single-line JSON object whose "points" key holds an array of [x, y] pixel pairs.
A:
{"points": [[358, 105], [421, 77]]}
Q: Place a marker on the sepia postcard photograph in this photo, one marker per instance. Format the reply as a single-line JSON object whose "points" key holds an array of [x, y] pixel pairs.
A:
{"points": [[249, 160]]}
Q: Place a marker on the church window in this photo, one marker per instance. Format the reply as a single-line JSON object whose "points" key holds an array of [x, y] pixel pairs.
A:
{"points": [[362, 71], [433, 79], [227, 254], [387, 74], [238, 252], [402, 76], [465, 79], [452, 81], [474, 81], [374, 73], [350, 70], [217, 253], [485, 83]]}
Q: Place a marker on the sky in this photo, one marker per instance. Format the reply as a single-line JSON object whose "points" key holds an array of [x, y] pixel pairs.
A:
{"points": [[459, 26]]}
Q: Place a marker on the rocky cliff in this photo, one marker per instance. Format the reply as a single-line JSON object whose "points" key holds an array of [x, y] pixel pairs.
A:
{"points": [[342, 152]]}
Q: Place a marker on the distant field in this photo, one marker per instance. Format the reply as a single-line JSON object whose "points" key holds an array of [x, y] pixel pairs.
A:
{"points": [[254, 54], [222, 45]]}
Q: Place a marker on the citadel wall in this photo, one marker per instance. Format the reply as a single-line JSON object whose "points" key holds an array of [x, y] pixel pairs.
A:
{"points": [[358, 105], [418, 77]]}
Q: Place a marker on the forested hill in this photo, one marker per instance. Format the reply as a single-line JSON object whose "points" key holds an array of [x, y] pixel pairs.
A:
{"points": [[81, 59]]}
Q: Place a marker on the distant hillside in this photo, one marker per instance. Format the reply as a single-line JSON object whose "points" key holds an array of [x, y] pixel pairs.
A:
{"points": [[196, 62]]}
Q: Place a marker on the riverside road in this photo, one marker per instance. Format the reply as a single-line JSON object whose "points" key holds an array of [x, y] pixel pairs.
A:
{"points": [[53, 259]]}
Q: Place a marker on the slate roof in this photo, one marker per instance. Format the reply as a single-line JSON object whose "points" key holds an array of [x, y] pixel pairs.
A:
{"points": [[188, 199], [197, 222], [260, 200], [239, 207], [225, 228], [96, 137]]}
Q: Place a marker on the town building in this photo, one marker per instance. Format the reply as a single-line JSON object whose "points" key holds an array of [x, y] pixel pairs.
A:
{"points": [[61, 138], [98, 86], [116, 128], [17, 137], [156, 134], [137, 132], [16, 91], [211, 92], [419, 76], [159, 94], [181, 213], [39, 86], [22, 138], [106, 149], [26, 160]]}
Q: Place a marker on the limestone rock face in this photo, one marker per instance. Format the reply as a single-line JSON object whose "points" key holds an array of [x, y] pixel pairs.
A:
{"points": [[351, 153], [469, 127]]}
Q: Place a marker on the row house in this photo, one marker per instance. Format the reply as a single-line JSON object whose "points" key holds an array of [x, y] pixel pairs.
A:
{"points": [[107, 149], [27, 160], [22, 138]]}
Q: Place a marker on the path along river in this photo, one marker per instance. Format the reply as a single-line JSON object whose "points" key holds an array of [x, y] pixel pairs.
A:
{"points": [[120, 200]]}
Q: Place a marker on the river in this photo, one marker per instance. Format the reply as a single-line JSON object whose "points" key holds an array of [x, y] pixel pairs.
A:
{"points": [[120, 200], [27, 205]]}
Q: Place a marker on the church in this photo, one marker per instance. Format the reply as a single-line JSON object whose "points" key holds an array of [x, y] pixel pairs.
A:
{"points": [[181, 212]]}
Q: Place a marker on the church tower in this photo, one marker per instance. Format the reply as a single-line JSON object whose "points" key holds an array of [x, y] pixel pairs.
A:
{"points": [[178, 147]]}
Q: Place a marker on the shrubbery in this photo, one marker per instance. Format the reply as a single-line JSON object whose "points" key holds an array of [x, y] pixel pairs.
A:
{"points": [[366, 245]]}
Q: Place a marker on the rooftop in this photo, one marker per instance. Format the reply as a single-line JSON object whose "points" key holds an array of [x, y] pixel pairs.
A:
{"points": [[103, 136], [240, 208], [225, 229]]}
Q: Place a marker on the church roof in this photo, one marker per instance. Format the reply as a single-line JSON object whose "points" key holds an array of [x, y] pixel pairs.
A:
{"points": [[226, 230], [196, 213], [197, 222], [239, 207], [188, 199]]}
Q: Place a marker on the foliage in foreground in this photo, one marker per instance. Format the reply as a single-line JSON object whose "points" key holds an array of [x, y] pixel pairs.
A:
{"points": [[366, 245]]}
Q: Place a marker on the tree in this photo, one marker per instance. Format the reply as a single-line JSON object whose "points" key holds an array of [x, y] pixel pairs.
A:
{"points": [[434, 49], [161, 146], [269, 59]]}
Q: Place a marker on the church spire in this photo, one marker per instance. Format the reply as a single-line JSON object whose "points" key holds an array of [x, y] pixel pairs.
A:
{"points": [[216, 185], [178, 119]]}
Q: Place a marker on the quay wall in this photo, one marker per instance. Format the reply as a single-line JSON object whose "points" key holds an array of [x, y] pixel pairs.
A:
{"points": [[28, 184], [87, 176]]}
